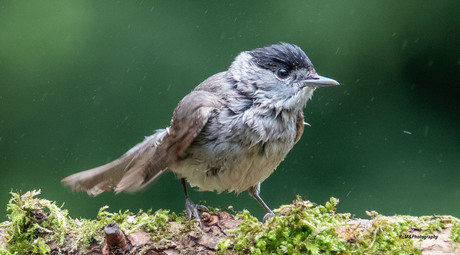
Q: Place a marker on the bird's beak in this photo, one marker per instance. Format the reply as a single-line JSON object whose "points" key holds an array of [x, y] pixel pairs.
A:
{"points": [[320, 81]]}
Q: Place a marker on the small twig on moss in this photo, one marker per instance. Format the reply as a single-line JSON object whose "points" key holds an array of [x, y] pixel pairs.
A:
{"points": [[116, 241]]}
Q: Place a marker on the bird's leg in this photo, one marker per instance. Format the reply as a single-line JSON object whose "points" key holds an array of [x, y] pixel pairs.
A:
{"points": [[191, 208], [254, 192]]}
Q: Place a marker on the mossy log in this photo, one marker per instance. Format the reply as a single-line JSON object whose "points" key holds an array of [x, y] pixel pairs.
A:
{"points": [[38, 226]]}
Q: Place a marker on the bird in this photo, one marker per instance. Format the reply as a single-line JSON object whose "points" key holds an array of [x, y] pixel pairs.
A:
{"points": [[228, 134]]}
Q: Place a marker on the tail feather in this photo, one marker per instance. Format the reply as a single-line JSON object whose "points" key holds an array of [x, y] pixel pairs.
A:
{"points": [[106, 177]]}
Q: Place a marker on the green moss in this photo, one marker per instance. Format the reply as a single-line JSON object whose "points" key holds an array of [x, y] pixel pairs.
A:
{"points": [[454, 236], [33, 222], [303, 228], [36, 224], [300, 228], [384, 237], [439, 222], [158, 224]]}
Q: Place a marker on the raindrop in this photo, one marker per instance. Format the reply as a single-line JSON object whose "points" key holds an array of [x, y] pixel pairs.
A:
{"points": [[44, 96], [425, 132], [349, 192], [404, 45]]}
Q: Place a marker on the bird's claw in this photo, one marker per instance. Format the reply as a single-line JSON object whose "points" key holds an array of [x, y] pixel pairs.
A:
{"points": [[192, 210], [268, 217]]}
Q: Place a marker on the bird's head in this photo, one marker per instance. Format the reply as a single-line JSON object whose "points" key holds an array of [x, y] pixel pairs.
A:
{"points": [[279, 76]]}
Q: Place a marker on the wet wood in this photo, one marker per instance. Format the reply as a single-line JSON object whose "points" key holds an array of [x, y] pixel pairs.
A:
{"points": [[116, 242]]}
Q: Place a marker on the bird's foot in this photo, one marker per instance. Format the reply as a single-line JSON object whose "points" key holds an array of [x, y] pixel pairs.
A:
{"points": [[268, 217], [192, 210]]}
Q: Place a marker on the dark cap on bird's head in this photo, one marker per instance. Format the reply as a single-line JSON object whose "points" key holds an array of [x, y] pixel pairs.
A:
{"points": [[284, 58], [283, 55]]}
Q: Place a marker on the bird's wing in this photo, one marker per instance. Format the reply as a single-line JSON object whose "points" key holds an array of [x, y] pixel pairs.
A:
{"points": [[189, 118], [299, 125]]}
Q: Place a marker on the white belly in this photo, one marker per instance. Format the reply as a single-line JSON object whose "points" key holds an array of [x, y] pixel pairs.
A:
{"points": [[236, 171]]}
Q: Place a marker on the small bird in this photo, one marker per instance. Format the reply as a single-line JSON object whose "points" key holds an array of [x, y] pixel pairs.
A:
{"points": [[228, 134]]}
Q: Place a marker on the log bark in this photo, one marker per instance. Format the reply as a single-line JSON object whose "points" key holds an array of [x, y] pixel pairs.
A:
{"points": [[41, 227], [216, 228]]}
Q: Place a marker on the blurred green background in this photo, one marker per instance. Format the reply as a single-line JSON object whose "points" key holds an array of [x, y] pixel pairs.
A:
{"points": [[81, 82]]}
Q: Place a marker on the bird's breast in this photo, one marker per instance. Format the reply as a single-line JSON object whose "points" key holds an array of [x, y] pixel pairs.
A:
{"points": [[234, 153]]}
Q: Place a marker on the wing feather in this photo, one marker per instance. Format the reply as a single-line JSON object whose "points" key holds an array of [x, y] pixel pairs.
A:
{"points": [[189, 118]]}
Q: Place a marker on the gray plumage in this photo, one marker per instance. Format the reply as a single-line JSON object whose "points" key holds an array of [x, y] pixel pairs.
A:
{"points": [[229, 133]]}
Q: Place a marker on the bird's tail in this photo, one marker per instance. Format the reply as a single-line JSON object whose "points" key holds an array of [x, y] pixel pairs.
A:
{"points": [[104, 178]]}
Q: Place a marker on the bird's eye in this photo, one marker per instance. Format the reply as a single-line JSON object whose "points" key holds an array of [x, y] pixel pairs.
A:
{"points": [[282, 73]]}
